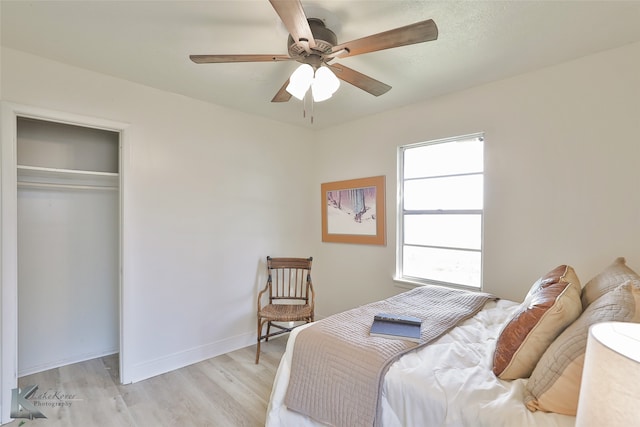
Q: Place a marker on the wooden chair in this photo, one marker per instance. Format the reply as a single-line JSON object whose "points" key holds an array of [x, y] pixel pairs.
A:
{"points": [[291, 296]]}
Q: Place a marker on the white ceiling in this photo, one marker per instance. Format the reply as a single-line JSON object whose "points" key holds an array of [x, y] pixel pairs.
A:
{"points": [[479, 41]]}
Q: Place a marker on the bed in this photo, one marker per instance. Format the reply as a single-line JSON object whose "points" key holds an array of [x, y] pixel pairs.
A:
{"points": [[451, 381], [434, 385]]}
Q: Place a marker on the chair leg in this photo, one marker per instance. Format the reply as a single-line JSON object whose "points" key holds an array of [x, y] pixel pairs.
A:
{"points": [[268, 331], [258, 346]]}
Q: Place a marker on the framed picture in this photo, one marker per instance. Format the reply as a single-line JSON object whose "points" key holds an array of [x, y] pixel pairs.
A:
{"points": [[353, 211]]}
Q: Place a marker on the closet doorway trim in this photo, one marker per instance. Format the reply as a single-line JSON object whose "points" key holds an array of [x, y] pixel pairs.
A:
{"points": [[9, 238]]}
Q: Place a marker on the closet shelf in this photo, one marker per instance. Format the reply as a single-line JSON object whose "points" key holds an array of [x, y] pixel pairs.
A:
{"points": [[33, 176]]}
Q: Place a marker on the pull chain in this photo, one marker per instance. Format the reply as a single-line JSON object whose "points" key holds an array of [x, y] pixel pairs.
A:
{"points": [[304, 106]]}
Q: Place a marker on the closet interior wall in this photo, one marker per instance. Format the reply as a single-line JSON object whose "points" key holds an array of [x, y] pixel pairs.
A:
{"points": [[68, 244]]}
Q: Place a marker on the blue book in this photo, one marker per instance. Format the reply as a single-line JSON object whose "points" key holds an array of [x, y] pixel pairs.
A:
{"points": [[395, 330]]}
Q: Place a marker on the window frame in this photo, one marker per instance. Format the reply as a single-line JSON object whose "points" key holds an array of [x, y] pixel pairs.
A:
{"points": [[400, 240]]}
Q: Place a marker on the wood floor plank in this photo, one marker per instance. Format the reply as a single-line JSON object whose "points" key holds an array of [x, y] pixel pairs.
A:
{"points": [[228, 390], [235, 392]]}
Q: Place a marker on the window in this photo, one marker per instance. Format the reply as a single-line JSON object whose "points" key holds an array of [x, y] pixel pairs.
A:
{"points": [[440, 211]]}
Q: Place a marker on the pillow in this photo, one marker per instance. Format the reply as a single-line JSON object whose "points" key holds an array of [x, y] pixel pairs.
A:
{"points": [[554, 385], [552, 304], [613, 276]]}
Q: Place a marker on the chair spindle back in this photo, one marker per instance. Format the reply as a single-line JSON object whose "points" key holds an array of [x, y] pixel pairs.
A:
{"points": [[289, 278]]}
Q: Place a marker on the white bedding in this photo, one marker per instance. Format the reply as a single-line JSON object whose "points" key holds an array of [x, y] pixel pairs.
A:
{"points": [[446, 383]]}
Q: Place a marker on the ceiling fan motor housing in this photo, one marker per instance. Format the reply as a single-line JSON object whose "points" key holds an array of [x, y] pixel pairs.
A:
{"points": [[325, 40]]}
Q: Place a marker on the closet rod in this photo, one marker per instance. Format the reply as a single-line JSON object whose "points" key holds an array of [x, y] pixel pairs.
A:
{"points": [[64, 186]]}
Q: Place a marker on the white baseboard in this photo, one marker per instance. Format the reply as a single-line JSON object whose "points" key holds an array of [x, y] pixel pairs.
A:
{"points": [[24, 371], [161, 365]]}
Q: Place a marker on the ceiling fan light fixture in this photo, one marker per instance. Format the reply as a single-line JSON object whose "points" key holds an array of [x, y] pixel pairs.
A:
{"points": [[300, 81], [325, 84]]}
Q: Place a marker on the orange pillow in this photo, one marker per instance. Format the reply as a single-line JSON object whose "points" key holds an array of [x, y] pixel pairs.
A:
{"points": [[552, 304]]}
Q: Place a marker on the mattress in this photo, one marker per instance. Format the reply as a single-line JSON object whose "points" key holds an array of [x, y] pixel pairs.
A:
{"points": [[446, 383]]}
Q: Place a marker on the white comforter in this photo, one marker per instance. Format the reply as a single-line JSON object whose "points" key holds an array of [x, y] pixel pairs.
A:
{"points": [[446, 383]]}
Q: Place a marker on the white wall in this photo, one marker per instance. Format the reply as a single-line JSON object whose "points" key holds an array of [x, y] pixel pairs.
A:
{"points": [[561, 178], [208, 195], [68, 277]]}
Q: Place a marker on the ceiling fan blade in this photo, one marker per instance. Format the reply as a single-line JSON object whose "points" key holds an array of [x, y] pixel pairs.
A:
{"points": [[214, 59], [294, 19], [359, 80], [282, 95], [419, 32]]}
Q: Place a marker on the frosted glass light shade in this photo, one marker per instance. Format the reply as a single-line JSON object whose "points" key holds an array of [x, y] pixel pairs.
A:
{"points": [[610, 387], [324, 85], [300, 81]]}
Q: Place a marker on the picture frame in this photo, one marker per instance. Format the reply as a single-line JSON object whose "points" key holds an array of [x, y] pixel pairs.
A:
{"points": [[353, 211]]}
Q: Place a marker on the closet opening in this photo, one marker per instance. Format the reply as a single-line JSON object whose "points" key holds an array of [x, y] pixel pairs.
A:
{"points": [[68, 244]]}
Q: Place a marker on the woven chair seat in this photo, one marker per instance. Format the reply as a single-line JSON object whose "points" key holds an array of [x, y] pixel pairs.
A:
{"points": [[286, 312]]}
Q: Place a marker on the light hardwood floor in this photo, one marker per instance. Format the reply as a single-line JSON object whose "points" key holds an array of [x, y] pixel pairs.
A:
{"points": [[228, 390]]}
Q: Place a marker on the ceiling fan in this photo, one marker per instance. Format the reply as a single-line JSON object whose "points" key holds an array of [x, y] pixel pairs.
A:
{"points": [[310, 42]]}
